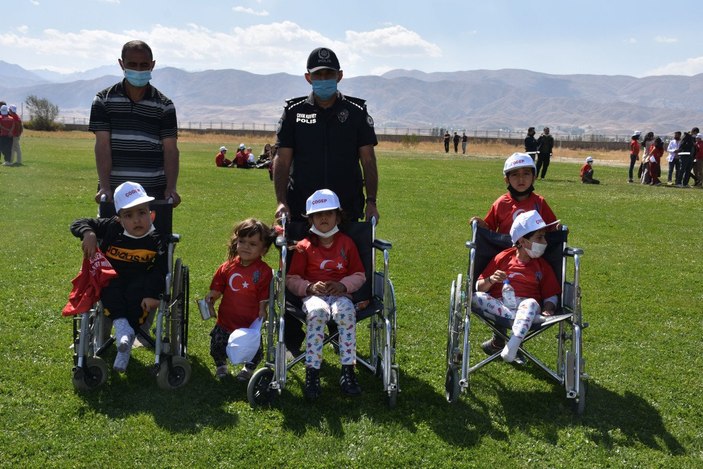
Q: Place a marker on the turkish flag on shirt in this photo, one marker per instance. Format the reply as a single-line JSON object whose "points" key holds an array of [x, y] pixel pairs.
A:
{"points": [[95, 273]]}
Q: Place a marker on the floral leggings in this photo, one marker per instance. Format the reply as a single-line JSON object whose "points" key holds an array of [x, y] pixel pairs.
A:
{"points": [[527, 310], [318, 311]]}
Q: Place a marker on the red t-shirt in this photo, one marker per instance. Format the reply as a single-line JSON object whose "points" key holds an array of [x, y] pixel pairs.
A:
{"points": [[535, 279], [242, 288], [240, 159], [318, 263], [634, 147], [221, 161], [504, 210], [656, 153], [584, 169]]}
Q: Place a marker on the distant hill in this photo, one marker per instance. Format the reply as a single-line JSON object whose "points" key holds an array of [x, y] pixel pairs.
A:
{"points": [[472, 100]]}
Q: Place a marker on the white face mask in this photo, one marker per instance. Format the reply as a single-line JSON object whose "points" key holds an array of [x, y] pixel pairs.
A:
{"points": [[536, 250], [324, 235]]}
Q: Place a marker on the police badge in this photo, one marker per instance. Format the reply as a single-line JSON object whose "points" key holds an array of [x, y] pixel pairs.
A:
{"points": [[343, 115]]}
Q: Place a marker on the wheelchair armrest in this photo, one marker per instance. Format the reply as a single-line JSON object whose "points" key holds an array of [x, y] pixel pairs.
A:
{"points": [[571, 252], [382, 245], [175, 237]]}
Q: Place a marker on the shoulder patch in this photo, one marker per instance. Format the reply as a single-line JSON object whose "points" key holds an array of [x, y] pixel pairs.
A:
{"points": [[369, 120]]}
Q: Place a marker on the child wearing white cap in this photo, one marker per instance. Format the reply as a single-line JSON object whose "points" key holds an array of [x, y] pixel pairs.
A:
{"points": [[587, 172], [519, 173], [535, 284], [221, 160], [136, 252], [325, 270]]}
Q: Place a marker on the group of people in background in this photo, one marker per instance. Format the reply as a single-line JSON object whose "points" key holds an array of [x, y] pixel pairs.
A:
{"points": [[684, 158], [464, 139], [245, 159], [10, 131]]}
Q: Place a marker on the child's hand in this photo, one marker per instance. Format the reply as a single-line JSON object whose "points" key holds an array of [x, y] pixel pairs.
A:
{"points": [[89, 244], [212, 296], [480, 221], [150, 304], [498, 276], [317, 288], [335, 288]]}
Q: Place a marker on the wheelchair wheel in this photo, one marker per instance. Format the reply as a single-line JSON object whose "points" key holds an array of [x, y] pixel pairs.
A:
{"points": [[452, 389], [178, 318], [175, 375], [91, 376], [455, 330], [393, 394], [259, 391], [579, 403]]}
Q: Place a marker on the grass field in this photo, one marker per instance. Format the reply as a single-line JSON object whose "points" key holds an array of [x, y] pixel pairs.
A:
{"points": [[641, 276]]}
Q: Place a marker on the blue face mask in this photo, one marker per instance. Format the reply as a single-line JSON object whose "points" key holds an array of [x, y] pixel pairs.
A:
{"points": [[137, 78], [324, 89]]}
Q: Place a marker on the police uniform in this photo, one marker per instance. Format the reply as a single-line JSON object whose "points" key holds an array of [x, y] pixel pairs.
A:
{"points": [[325, 145]]}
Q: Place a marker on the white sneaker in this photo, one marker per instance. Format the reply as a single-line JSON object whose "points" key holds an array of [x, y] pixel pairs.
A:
{"points": [[125, 343]]}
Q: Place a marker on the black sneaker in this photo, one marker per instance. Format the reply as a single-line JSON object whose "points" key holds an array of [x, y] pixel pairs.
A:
{"points": [[492, 346], [348, 382], [312, 384]]}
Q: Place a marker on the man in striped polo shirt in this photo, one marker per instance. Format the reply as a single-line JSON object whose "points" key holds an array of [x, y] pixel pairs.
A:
{"points": [[135, 130]]}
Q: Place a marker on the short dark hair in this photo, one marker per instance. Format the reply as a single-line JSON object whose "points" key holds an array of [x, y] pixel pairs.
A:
{"points": [[137, 45], [695, 129]]}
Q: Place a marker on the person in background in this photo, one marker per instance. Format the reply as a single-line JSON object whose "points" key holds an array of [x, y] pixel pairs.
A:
{"points": [[654, 164], [531, 145], [687, 148], [587, 172], [647, 146], [7, 129], [698, 165], [221, 160], [240, 159], [456, 142], [634, 154], [673, 158], [464, 142], [545, 143], [447, 139], [16, 153]]}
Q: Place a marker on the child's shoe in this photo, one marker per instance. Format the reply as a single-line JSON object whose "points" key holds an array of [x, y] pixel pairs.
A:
{"points": [[121, 362], [348, 382], [312, 384], [124, 334], [245, 374], [222, 371]]}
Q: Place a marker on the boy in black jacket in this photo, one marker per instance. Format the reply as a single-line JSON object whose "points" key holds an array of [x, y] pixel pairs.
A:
{"points": [[136, 252]]}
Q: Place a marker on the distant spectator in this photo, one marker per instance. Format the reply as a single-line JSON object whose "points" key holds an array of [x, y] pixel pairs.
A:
{"points": [[686, 150], [673, 158], [531, 145], [7, 128], [545, 142], [240, 160], [16, 153], [251, 159], [647, 146], [456, 142], [656, 151], [447, 138], [634, 154], [587, 172], [221, 160], [464, 142], [698, 165]]}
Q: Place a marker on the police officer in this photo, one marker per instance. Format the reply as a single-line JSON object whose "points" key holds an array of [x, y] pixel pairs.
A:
{"points": [[321, 140]]}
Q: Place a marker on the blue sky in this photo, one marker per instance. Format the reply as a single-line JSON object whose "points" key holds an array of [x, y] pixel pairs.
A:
{"points": [[638, 38]]}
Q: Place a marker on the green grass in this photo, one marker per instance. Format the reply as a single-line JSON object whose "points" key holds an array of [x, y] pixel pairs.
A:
{"points": [[641, 279]]}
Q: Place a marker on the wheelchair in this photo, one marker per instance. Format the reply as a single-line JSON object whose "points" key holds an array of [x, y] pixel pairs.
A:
{"points": [[374, 301], [91, 330], [569, 369]]}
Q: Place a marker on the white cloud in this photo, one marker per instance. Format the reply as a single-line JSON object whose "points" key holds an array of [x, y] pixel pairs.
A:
{"points": [[250, 11], [23, 29], [630, 40], [34, 2], [692, 66], [665, 40], [261, 48]]}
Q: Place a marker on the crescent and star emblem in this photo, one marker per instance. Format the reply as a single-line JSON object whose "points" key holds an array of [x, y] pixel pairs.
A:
{"points": [[244, 284]]}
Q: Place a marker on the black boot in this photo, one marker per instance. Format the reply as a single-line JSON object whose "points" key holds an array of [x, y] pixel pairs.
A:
{"points": [[348, 382], [312, 384]]}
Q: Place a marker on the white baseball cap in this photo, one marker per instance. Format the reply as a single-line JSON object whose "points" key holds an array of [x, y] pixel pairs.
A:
{"points": [[3, 109], [242, 146], [128, 194], [13, 108], [526, 223], [321, 200], [699, 135], [223, 148], [589, 159], [518, 160]]}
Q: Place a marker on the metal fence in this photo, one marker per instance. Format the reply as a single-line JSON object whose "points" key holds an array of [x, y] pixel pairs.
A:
{"points": [[438, 132]]}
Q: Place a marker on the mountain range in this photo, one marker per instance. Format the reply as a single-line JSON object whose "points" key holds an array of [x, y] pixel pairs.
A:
{"points": [[471, 100]]}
